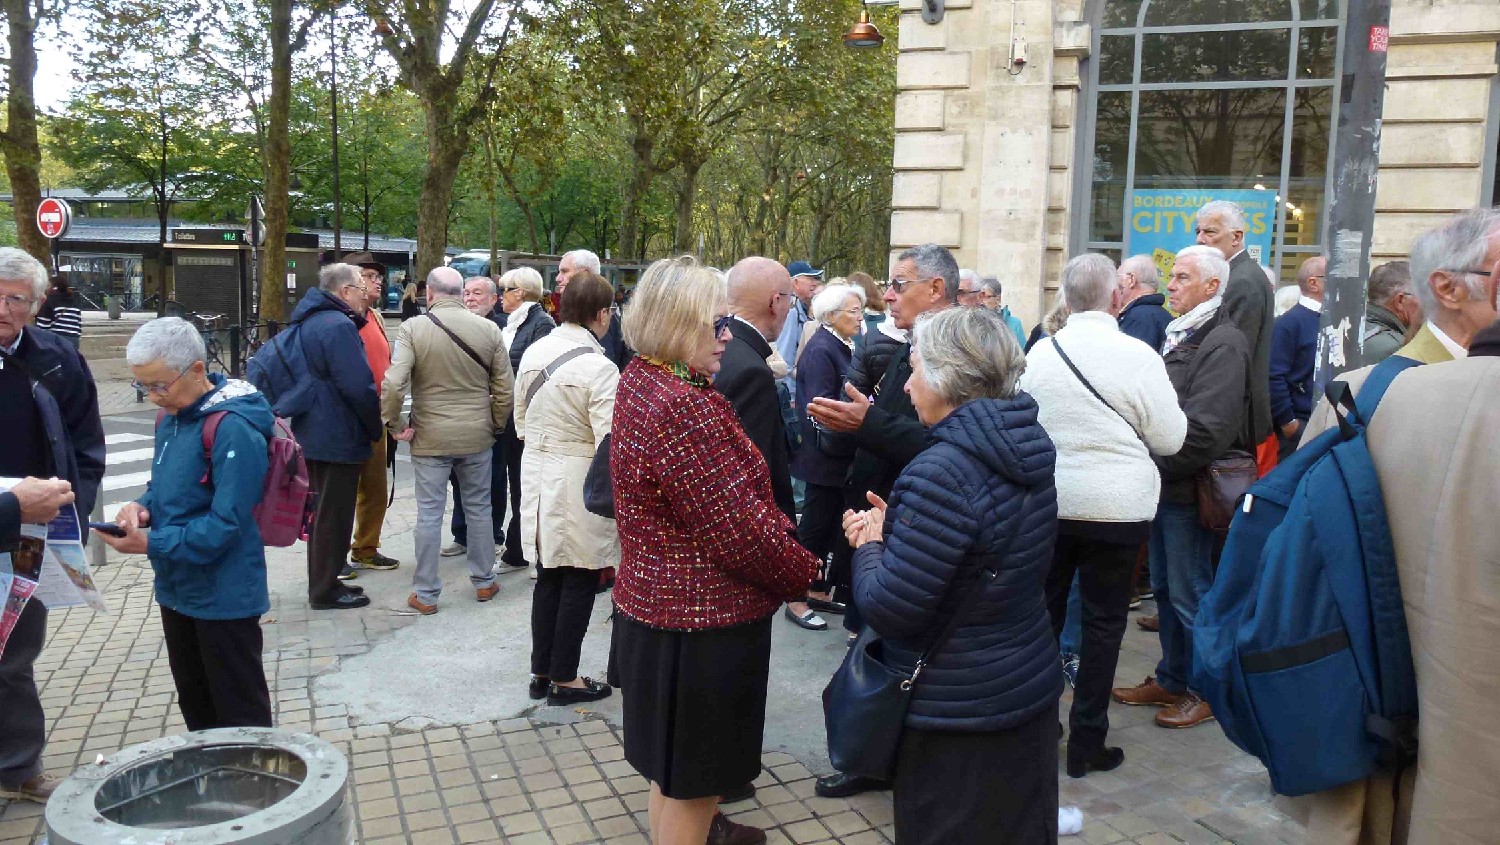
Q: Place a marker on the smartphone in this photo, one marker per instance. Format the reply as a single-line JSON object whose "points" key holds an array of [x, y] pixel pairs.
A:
{"points": [[109, 528]]}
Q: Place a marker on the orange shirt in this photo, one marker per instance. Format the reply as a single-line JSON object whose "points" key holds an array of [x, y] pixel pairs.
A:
{"points": [[377, 346]]}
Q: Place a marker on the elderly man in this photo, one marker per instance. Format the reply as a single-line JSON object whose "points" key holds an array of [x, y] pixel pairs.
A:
{"points": [[480, 296], [1453, 271], [760, 296], [1391, 309], [986, 292], [51, 429], [805, 281], [887, 431], [582, 260], [370, 502], [1207, 358], [316, 374], [1143, 312], [1294, 354], [1248, 301], [457, 367]]}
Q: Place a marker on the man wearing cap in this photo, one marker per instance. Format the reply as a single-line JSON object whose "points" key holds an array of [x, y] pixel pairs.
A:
{"points": [[804, 282], [370, 503]]}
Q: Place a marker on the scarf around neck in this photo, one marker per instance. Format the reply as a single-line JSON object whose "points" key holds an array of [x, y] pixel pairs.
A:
{"points": [[1180, 328]]}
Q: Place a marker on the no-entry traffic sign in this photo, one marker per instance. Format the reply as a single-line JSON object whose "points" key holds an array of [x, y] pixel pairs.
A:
{"points": [[53, 217]]}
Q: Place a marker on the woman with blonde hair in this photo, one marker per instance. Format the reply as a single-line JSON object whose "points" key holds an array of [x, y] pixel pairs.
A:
{"points": [[706, 559]]}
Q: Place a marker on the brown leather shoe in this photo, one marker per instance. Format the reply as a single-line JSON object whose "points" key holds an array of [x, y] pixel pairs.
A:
{"points": [[1149, 623], [1190, 711], [1149, 693], [41, 787], [487, 593], [722, 831], [416, 604]]}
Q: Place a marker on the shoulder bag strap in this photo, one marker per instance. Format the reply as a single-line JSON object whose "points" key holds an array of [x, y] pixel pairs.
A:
{"points": [[575, 352], [468, 350], [1069, 362]]}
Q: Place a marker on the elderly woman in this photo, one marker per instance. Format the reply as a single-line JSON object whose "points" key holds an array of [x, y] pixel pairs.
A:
{"points": [[565, 397], [975, 511], [1208, 360], [823, 460], [1108, 406], [197, 526], [706, 558]]}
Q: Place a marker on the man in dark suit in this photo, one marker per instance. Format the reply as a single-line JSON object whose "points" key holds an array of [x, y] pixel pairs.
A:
{"points": [[885, 426], [1248, 302], [760, 295]]}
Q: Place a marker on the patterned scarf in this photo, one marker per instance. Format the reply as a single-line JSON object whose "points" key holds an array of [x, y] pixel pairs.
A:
{"points": [[1180, 328], [680, 370]]}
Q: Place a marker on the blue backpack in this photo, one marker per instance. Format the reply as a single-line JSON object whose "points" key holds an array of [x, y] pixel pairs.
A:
{"points": [[1301, 646]]}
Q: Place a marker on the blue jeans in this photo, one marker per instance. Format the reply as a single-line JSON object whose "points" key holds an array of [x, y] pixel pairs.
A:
{"points": [[1182, 554], [1072, 633]]}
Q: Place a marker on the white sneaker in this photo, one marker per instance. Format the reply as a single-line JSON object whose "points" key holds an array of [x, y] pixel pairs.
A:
{"points": [[454, 550]]}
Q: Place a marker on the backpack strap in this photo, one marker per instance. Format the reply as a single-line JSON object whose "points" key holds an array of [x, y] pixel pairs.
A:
{"points": [[210, 431], [1379, 380]]}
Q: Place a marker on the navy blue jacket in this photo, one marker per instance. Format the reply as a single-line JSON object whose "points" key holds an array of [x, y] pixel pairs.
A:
{"points": [[1146, 320], [205, 546], [333, 407], [820, 372], [1294, 352], [962, 499], [536, 326], [67, 403]]}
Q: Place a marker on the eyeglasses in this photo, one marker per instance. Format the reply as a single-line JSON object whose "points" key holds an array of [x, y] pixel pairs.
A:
{"points": [[16, 302], [158, 388], [721, 324], [504, 289], [1485, 273], [963, 293], [899, 285]]}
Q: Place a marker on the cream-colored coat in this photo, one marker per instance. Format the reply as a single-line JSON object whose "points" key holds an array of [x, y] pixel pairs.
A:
{"points": [[1436, 445], [453, 409], [563, 426], [1424, 348]]}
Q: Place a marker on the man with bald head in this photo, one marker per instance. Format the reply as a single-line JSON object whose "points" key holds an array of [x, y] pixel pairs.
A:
{"points": [[1294, 352], [760, 296]]}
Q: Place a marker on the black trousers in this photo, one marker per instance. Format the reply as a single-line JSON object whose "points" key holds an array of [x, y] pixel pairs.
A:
{"points": [[23, 726], [216, 665], [978, 788], [513, 556], [332, 527], [821, 531], [1105, 573], [561, 604]]}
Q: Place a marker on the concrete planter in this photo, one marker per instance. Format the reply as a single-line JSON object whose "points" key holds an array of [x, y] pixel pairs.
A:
{"points": [[231, 786]]}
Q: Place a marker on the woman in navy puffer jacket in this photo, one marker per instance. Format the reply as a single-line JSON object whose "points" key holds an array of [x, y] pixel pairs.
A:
{"points": [[978, 759]]}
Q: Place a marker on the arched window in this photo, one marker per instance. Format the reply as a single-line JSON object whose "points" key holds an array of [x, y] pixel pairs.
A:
{"points": [[1192, 99]]}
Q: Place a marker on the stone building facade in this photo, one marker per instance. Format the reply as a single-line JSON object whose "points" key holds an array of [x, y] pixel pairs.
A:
{"points": [[1117, 105]]}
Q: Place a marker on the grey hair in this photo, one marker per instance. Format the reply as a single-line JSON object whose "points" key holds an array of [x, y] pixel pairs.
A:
{"points": [[1229, 212], [1089, 283], [171, 340], [1388, 280], [18, 265], [935, 262], [1456, 246], [991, 284], [584, 259], [1144, 269], [1210, 263], [965, 273], [335, 276], [1057, 316], [488, 282], [967, 354], [832, 298]]}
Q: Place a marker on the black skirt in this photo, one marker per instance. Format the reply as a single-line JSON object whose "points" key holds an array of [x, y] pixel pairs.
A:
{"points": [[695, 704]]}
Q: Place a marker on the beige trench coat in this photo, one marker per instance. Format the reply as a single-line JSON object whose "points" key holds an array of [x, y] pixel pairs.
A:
{"points": [[562, 427], [1436, 446]]}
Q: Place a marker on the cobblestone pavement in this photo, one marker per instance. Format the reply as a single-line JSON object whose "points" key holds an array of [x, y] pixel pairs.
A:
{"points": [[551, 775]]}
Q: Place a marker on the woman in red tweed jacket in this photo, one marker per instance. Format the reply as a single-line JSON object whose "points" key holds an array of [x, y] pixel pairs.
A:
{"points": [[706, 558]]}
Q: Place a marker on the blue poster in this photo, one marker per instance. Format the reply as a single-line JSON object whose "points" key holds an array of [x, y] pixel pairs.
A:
{"points": [[1164, 221]]}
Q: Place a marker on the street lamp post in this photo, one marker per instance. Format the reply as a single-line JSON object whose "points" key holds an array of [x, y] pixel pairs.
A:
{"points": [[333, 96]]}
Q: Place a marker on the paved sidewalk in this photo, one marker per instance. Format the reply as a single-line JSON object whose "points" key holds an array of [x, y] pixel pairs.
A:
{"points": [[446, 748]]}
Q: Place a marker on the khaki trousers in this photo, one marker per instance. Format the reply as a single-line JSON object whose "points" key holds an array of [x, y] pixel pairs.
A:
{"points": [[369, 505]]}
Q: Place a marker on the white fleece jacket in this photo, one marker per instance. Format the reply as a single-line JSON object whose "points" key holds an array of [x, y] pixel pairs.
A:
{"points": [[1104, 473]]}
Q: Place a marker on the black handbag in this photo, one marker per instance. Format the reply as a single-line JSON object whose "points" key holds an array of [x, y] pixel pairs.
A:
{"points": [[598, 486], [865, 704]]}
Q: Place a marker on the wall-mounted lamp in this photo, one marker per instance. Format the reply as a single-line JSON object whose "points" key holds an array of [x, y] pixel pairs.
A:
{"points": [[864, 33]]}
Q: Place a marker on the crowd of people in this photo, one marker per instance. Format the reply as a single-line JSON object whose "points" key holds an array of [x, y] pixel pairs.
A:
{"points": [[989, 505]]}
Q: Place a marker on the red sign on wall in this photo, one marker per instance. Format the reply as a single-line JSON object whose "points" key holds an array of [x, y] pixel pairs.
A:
{"points": [[53, 217], [1380, 39]]}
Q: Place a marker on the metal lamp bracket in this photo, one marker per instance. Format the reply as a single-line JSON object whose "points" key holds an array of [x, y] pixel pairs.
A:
{"points": [[932, 11]]}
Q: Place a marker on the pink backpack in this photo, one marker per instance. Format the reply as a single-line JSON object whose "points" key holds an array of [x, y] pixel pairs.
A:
{"points": [[287, 499]]}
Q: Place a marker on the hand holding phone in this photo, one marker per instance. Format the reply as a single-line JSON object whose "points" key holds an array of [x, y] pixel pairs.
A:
{"points": [[109, 528]]}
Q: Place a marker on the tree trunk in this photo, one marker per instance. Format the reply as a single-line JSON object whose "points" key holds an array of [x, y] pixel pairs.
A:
{"points": [[641, 174], [687, 195], [445, 150], [492, 201], [23, 153], [273, 293]]}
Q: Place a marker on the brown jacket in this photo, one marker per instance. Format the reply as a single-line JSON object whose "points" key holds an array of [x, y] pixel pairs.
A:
{"points": [[1434, 446], [455, 408]]}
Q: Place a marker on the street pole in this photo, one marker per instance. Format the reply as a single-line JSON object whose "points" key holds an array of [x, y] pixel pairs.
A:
{"points": [[333, 96], [1351, 208]]}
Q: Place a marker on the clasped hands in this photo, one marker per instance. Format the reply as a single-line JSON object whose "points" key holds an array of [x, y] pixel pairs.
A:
{"points": [[862, 527]]}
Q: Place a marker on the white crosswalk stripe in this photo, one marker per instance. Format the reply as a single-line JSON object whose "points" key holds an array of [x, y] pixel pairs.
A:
{"points": [[126, 437]]}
